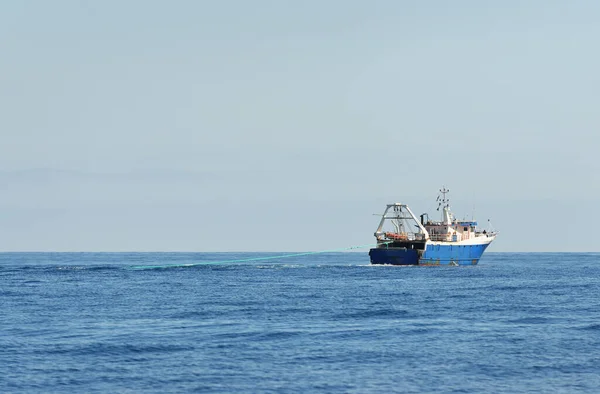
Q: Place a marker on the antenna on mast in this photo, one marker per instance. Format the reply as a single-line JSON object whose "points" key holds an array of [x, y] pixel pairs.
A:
{"points": [[443, 202]]}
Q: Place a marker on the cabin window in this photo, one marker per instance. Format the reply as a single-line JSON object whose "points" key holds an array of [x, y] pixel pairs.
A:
{"points": [[465, 229]]}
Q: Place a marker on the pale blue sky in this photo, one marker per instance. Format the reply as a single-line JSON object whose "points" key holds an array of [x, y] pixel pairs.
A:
{"points": [[155, 125]]}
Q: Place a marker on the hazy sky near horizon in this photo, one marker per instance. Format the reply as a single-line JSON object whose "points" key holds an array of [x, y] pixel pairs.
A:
{"points": [[284, 125]]}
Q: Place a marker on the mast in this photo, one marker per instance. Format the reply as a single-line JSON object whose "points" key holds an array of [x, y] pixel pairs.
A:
{"points": [[444, 203]]}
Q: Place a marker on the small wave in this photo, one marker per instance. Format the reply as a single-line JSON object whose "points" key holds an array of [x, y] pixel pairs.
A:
{"points": [[386, 313], [531, 320], [506, 288], [96, 349], [89, 268], [258, 336], [277, 335], [236, 335], [392, 265], [32, 282], [60, 268], [191, 315], [590, 327]]}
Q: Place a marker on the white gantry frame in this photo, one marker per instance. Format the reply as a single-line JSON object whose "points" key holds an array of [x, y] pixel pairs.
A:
{"points": [[398, 208]]}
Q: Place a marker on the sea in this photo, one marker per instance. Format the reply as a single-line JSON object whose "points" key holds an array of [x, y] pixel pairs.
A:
{"points": [[329, 323]]}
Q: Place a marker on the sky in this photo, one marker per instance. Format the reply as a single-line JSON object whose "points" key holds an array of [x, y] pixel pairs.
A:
{"points": [[285, 125]]}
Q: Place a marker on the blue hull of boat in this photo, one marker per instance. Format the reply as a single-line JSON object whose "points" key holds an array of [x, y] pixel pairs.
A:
{"points": [[433, 255]]}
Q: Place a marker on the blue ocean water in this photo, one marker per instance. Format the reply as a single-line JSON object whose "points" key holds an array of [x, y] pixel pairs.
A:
{"points": [[90, 322]]}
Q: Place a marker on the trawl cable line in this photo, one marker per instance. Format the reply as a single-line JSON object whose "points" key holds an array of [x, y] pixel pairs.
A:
{"points": [[247, 260]]}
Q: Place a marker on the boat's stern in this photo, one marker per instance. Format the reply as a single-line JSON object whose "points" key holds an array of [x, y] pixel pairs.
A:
{"points": [[394, 256]]}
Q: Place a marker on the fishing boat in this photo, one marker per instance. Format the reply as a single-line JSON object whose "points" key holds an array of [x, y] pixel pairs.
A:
{"points": [[404, 239]]}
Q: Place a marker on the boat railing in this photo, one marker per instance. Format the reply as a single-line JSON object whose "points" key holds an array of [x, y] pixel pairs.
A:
{"points": [[440, 237], [460, 237], [404, 236]]}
